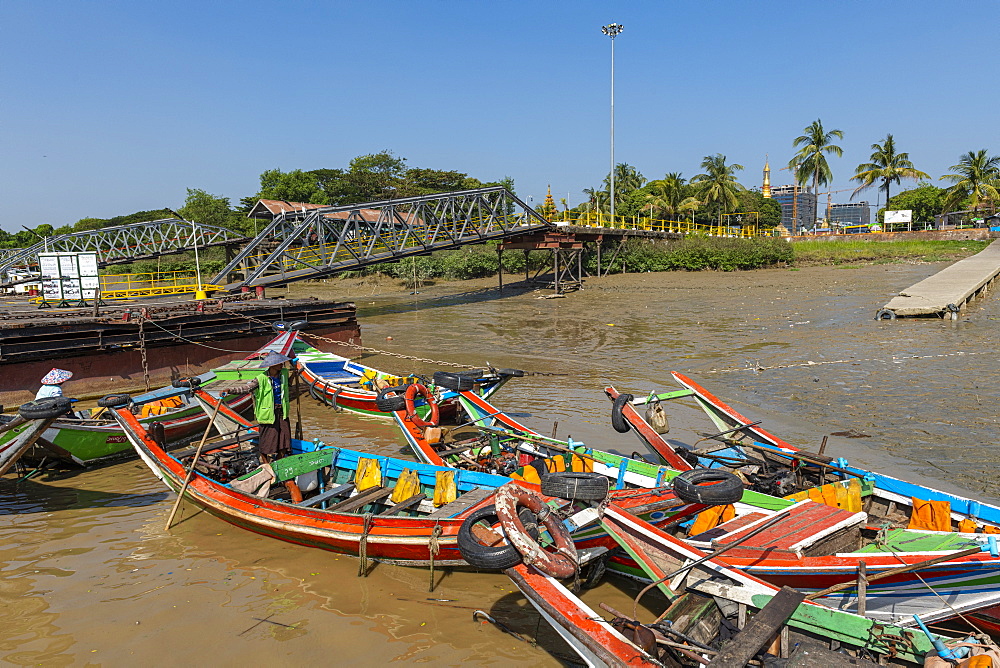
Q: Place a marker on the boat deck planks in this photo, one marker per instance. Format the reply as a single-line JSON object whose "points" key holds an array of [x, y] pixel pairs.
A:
{"points": [[956, 284]]}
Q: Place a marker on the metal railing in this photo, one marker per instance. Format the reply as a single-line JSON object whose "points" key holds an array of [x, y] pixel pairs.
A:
{"points": [[152, 284], [658, 225], [299, 245]]}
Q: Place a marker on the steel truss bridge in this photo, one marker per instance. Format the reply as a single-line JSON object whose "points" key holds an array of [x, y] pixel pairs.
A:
{"points": [[126, 243], [314, 243]]}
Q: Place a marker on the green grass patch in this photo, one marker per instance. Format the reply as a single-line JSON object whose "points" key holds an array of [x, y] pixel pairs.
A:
{"points": [[808, 253]]}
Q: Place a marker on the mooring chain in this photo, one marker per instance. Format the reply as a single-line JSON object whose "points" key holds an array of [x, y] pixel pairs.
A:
{"points": [[756, 367], [142, 348]]}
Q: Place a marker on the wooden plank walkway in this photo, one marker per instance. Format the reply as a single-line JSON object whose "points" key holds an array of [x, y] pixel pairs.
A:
{"points": [[947, 292]]}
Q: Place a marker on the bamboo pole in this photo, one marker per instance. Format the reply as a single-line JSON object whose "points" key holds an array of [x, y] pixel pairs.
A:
{"points": [[194, 462], [895, 571]]}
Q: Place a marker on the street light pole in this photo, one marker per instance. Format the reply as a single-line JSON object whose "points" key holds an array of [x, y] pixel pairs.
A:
{"points": [[612, 31]]}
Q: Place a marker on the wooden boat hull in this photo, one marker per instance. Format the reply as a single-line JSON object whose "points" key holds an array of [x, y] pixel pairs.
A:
{"points": [[397, 539], [12, 449], [598, 643], [587, 632], [332, 379], [957, 588], [92, 442], [646, 544], [890, 491]]}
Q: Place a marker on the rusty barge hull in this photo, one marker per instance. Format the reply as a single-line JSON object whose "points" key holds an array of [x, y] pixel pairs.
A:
{"points": [[106, 353]]}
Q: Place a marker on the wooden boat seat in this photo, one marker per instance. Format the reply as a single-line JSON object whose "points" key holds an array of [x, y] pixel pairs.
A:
{"points": [[332, 372], [339, 490], [403, 505], [373, 495], [289, 467], [808, 527], [463, 502]]}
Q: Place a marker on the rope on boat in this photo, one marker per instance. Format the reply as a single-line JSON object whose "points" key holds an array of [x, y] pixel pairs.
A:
{"points": [[363, 547], [756, 367], [425, 360], [434, 547], [880, 541], [195, 343], [366, 349]]}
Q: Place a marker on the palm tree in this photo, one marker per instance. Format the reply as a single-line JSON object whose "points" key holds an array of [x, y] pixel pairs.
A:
{"points": [[627, 179], [596, 204], [886, 166], [666, 194], [977, 177], [810, 159], [718, 184], [691, 204]]}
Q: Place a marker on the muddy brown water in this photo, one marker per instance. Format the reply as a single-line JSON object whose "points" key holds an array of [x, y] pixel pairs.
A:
{"points": [[88, 575]]}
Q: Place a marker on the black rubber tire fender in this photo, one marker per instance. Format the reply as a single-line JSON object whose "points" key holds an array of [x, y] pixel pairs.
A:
{"points": [[714, 487], [391, 399], [114, 400], [513, 373], [186, 382], [575, 486], [473, 373], [492, 557], [885, 314], [453, 381], [43, 409], [618, 421]]}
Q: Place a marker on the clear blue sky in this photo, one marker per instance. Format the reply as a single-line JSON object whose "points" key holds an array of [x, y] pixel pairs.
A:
{"points": [[114, 107]]}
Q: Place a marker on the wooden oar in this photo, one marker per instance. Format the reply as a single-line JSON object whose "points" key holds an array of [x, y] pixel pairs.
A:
{"points": [[194, 462], [895, 571]]}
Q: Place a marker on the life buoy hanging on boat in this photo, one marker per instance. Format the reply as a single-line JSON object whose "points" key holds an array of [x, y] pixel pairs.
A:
{"points": [[411, 412], [559, 564]]}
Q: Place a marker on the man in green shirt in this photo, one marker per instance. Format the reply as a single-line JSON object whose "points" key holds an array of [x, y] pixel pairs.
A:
{"points": [[271, 411]]}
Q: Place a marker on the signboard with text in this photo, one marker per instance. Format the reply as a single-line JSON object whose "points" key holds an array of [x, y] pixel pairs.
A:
{"points": [[68, 276], [903, 216]]}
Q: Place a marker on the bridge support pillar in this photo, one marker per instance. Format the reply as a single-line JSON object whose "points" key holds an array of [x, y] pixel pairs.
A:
{"points": [[500, 267]]}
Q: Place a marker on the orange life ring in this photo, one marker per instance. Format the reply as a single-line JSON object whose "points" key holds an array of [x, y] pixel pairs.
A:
{"points": [[411, 411], [559, 564]]}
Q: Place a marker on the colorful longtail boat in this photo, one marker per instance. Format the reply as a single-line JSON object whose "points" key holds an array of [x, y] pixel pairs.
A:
{"points": [[93, 436], [709, 604], [393, 510], [348, 385], [855, 520], [774, 466]]}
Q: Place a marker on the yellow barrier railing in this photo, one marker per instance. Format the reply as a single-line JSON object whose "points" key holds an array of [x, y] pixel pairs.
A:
{"points": [[656, 225], [149, 284], [148, 279]]}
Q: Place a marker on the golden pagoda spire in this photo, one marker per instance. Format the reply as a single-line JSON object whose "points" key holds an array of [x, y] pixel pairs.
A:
{"points": [[549, 206], [766, 190]]}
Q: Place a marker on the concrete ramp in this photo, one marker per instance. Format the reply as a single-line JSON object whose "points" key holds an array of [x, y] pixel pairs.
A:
{"points": [[947, 292]]}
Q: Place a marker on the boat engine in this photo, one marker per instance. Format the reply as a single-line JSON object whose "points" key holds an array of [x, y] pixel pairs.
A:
{"points": [[779, 483]]}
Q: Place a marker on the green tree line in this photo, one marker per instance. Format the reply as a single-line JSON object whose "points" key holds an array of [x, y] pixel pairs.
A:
{"points": [[707, 197], [367, 178]]}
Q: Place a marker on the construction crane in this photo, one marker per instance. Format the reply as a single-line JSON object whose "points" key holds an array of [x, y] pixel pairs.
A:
{"points": [[828, 194]]}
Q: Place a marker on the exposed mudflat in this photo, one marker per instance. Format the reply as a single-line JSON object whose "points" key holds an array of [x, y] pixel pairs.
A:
{"points": [[88, 574]]}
